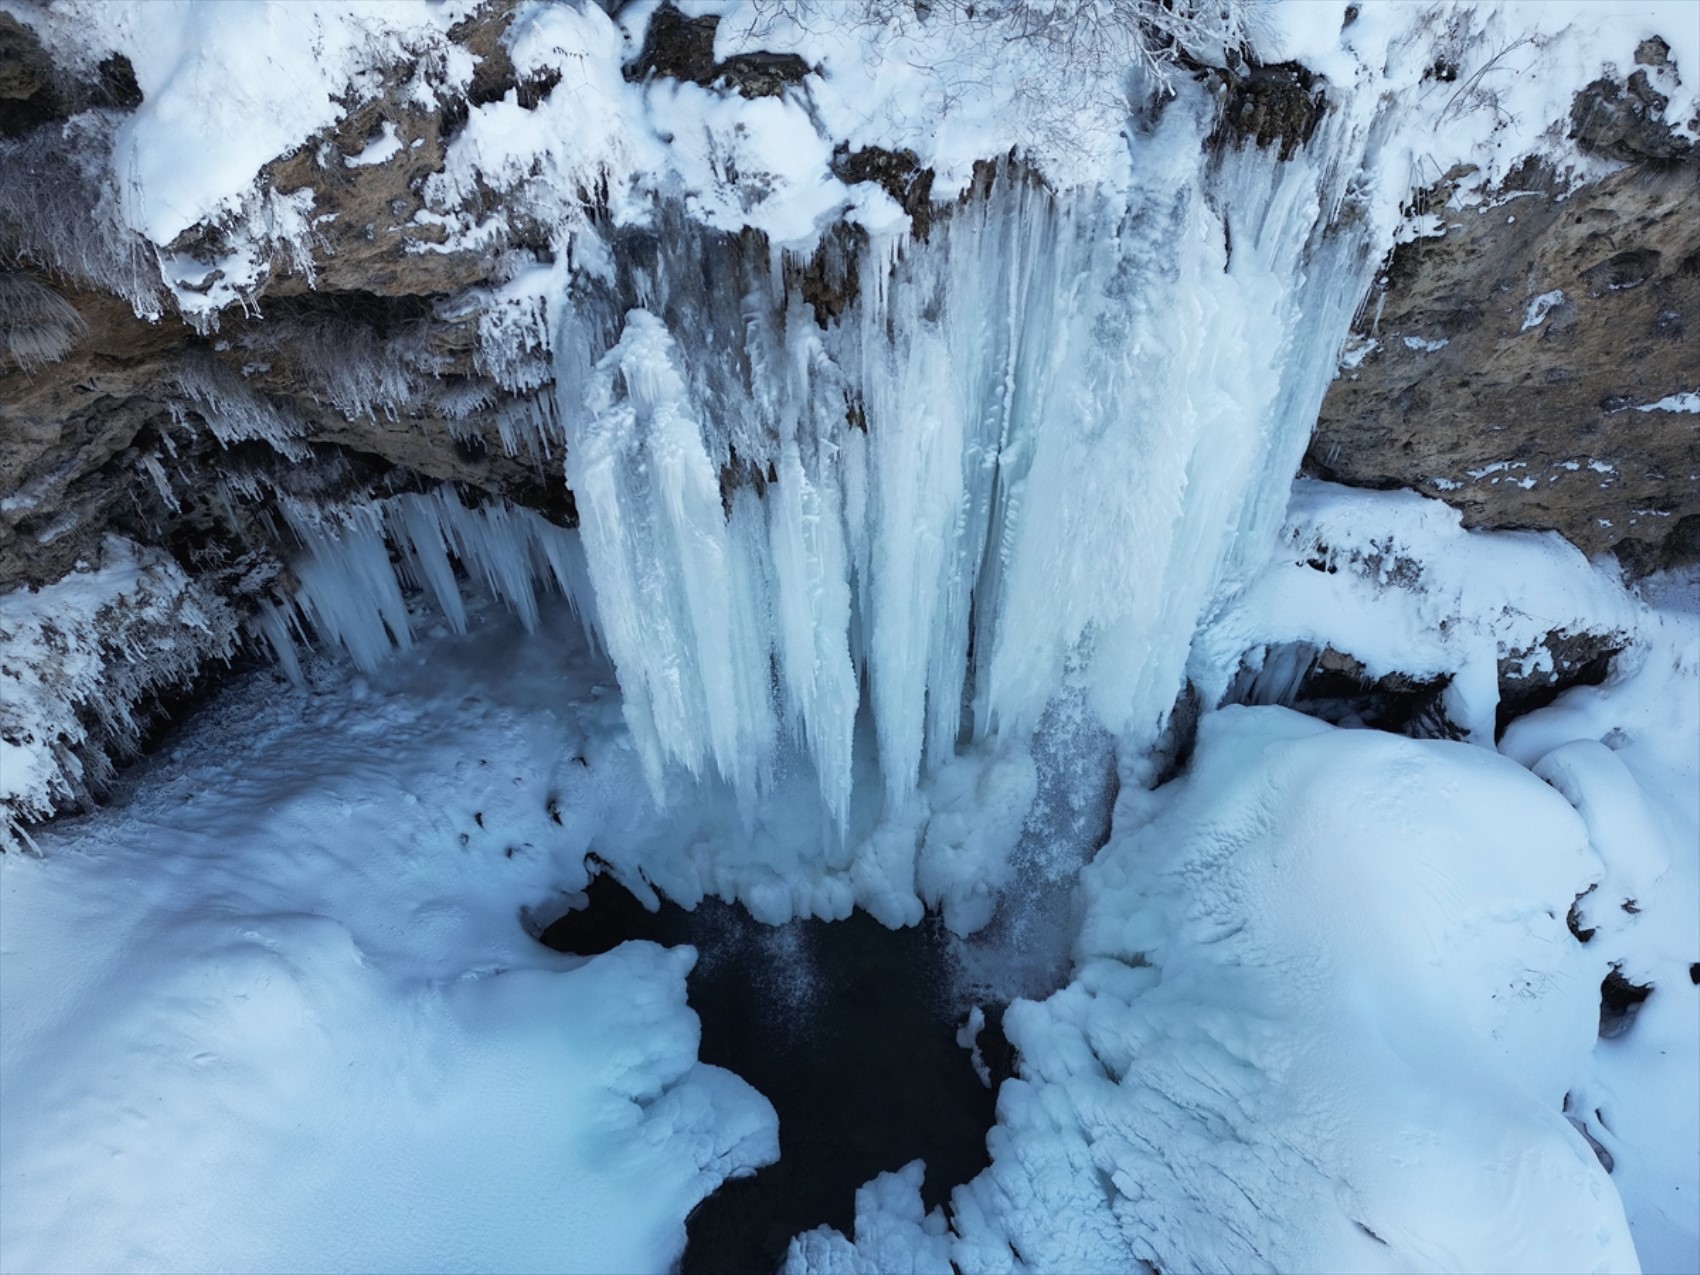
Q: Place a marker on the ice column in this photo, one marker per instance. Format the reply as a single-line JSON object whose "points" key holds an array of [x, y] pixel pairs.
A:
{"points": [[1033, 454]]}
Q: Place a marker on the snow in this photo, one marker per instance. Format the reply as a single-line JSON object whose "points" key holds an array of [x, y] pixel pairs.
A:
{"points": [[894, 1234], [1535, 313], [1393, 579], [276, 1009], [1627, 755], [1687, 401], [227, 87], [1323, 983], [1518, 64], [80, 655], [1325, 1010], [381, 149], [1323, 1016], [230, 86]]}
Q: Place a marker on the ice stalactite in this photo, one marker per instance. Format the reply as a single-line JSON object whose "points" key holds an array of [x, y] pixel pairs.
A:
{"points": [[349, 590], [678, 586], [1032, 453], [350, 587]]}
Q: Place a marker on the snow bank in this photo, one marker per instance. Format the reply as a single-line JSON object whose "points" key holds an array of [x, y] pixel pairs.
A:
{"points": [[1325, 1013], [1627, 755], [228, 87], [1393, 580], [277, 1009], [80, 657], [894, 1234]]}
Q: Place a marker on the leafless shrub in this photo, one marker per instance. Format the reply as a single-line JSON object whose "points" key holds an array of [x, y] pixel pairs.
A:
{"points": [[1071, 67], [59, 210], [1095, 37], [37, 325]]}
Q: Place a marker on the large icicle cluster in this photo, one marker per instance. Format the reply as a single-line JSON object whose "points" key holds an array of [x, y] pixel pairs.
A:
{"points": [[1025, 458], [1031, 454], [350, 589]]}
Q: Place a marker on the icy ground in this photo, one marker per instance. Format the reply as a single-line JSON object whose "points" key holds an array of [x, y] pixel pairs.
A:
{"points": [[277, 1006]]}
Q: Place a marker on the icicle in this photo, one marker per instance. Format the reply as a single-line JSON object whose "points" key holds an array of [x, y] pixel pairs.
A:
{"points": [[351, 592], [349, 589], [1029, 457], [562, 553], [162, 484], [233, 410], [274, 628], [422, 525], [680, 609]]}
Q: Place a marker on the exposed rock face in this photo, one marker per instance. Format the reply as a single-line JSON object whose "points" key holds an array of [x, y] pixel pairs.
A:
{"points": [[357, 361], [1528, 366], [1269, 105], [34, 92], [898, 173], [28, 96], [682, 48], [1626, 121]]}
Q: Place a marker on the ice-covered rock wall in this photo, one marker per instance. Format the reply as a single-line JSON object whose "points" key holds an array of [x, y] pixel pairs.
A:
{"points": [[979, 432]]}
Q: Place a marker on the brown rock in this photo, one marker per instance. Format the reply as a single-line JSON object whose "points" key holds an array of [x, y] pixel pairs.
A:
{"points": [[1513, 355], [682, 48], [28, 94]]}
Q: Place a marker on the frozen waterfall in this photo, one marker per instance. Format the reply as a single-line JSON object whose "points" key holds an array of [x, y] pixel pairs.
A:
{"points": [[1031, 454], [918, 488]]}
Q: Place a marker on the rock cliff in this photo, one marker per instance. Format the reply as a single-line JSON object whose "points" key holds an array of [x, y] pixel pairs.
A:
{"points": [[1531, 364]]}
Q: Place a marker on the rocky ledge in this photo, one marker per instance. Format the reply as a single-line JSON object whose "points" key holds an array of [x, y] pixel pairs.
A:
{"points": [[1532, 364]]}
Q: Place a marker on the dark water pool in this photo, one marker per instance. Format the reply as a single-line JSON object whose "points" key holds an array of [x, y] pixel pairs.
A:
{"points": [[848, 1028]]}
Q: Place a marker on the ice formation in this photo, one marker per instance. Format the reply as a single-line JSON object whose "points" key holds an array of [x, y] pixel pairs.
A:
{"points": [[82, 655], [1036, 450], [1009, 459], [350, 589], [872, 557]]}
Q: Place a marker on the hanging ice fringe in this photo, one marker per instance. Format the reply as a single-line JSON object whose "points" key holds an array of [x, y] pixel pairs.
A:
{"points": [[1033, 453], [350, 588], [1029, 456]]}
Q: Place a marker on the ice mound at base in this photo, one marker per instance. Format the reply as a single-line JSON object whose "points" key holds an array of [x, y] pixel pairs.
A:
{"points": [[1324, 1015], [894, 1234]]}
